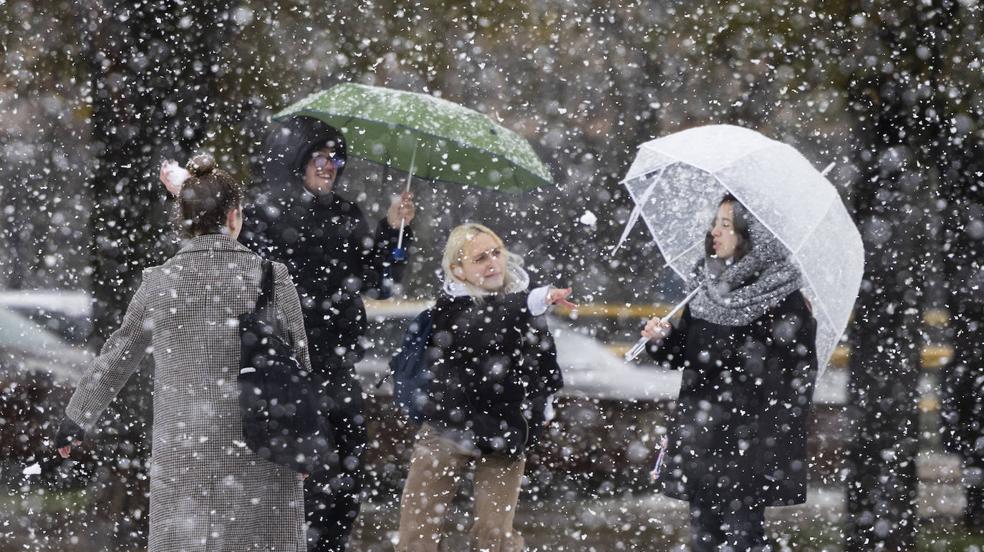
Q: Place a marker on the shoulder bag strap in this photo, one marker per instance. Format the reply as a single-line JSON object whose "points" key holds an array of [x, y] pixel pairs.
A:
{"points": [[266, 287]]}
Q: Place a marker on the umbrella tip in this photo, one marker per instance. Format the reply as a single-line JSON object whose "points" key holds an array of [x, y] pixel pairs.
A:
{"points": [[828, 168]]}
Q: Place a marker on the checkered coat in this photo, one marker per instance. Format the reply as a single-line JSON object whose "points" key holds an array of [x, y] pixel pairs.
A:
{"points": [[208, 492]]}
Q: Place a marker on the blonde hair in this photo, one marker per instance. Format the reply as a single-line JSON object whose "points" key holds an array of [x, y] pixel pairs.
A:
{"points": [[454, 251]]}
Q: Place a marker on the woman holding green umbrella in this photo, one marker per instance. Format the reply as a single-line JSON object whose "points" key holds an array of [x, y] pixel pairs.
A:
{"points": [[333, 258], [419, 134]]}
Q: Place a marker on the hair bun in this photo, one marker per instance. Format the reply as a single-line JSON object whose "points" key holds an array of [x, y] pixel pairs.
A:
{"points": [[201, 164]]}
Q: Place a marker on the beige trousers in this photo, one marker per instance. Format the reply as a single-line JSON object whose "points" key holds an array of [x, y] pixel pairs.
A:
{"points": [[436, 469]]}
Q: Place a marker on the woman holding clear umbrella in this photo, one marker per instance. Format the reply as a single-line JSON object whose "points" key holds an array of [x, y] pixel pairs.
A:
{"points": [[747, 346]]}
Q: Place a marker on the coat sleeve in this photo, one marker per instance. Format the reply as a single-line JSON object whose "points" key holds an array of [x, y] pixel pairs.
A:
{"points": [[546, 375], [289, 310], [256, 232], [791, 361], [119, 359], [379, 272], [541, 355], [672, 350]]}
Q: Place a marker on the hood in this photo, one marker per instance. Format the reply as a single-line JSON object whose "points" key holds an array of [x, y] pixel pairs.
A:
{"points": [[518, 280]]}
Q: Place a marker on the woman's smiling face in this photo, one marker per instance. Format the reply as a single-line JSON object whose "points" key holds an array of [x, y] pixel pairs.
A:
{"points": [[320, 172]]}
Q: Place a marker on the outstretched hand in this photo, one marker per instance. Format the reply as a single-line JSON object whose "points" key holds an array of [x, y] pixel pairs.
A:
{"points": [[558, 296], [66, 450], [173, 177]]}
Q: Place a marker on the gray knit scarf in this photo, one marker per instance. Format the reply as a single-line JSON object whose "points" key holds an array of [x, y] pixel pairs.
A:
{"points": [[737, 294]]}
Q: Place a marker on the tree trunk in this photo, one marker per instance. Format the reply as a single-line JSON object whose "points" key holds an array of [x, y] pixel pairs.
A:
{"points": [[962, 406], [898, 126]]}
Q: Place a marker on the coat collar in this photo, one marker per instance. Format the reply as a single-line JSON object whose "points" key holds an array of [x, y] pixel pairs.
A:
{"points": [[519, 281], [212, 243]]}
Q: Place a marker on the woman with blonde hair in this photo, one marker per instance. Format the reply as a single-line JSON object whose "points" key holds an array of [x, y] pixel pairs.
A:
{"points": [[493, 369]]}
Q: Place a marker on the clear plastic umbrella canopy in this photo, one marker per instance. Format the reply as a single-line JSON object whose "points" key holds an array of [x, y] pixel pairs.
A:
{"points": [[678, 181]]}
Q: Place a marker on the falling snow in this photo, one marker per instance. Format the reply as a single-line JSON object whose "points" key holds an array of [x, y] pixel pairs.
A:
{"points": [[97, 95]]}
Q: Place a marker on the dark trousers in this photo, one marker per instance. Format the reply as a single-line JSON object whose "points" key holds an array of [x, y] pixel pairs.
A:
{"points": [[973, 480], [717, 527], [331, 503], [333, 495], [974, 514]]}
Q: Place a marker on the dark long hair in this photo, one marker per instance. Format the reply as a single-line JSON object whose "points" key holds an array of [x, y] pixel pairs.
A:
{"points": [[206, 198], [740, 225]]}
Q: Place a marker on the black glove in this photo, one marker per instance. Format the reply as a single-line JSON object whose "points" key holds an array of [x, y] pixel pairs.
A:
{"points": [[69, 433]]}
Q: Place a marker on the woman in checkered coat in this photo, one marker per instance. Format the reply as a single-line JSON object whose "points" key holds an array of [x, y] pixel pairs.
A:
{"points": [[208, 491]]}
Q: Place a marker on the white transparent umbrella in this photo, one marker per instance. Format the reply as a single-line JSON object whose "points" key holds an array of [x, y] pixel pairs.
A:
{"points": [[678, 181]]}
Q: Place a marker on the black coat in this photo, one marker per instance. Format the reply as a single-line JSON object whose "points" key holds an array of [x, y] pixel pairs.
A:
{"points": [[333, 258], [742, 417], [493, 365], [962, 409]]}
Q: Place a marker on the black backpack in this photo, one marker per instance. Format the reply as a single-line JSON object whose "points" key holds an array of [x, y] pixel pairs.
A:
{"points": [[284, 408], [410, 368]]}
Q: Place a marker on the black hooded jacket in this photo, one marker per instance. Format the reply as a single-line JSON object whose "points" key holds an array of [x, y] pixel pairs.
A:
{"points": [[493, 366], [333, 257]]}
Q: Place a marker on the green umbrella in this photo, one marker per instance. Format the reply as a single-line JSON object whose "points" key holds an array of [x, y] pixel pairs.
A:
{"points": [[426, 137], [429, 137]]}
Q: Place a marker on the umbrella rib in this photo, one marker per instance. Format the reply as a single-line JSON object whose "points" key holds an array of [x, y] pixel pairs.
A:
{"points": [[637, 210], [661, 249], [823, 310], [806, 236], [648, 173], [430, 163]]}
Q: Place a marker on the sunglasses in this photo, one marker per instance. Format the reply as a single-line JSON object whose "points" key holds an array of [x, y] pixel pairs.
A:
{"points": [[321, 161]]}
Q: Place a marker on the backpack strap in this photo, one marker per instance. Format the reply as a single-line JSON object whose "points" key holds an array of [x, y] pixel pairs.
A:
{"points": [[266, 286]]}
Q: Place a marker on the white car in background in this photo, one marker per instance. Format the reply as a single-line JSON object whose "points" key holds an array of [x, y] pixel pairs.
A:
{"points": [[28, 350], [38, 371]]}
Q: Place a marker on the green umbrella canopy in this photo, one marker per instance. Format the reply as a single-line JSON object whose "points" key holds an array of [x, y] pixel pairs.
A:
{"points": [[440, 139]]}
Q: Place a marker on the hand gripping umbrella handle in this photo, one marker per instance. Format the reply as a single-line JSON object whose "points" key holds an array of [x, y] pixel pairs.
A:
{"points": [[399, 253], [640, 345], [403, 221]]}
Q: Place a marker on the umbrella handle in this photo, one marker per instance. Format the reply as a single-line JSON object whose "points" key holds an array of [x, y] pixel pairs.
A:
{"points": [[400, 254], [399, 241], [636, 349], [640, 345]]}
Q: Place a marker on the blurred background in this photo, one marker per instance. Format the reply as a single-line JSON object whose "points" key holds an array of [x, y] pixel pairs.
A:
{"points": [[94, 94]]}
